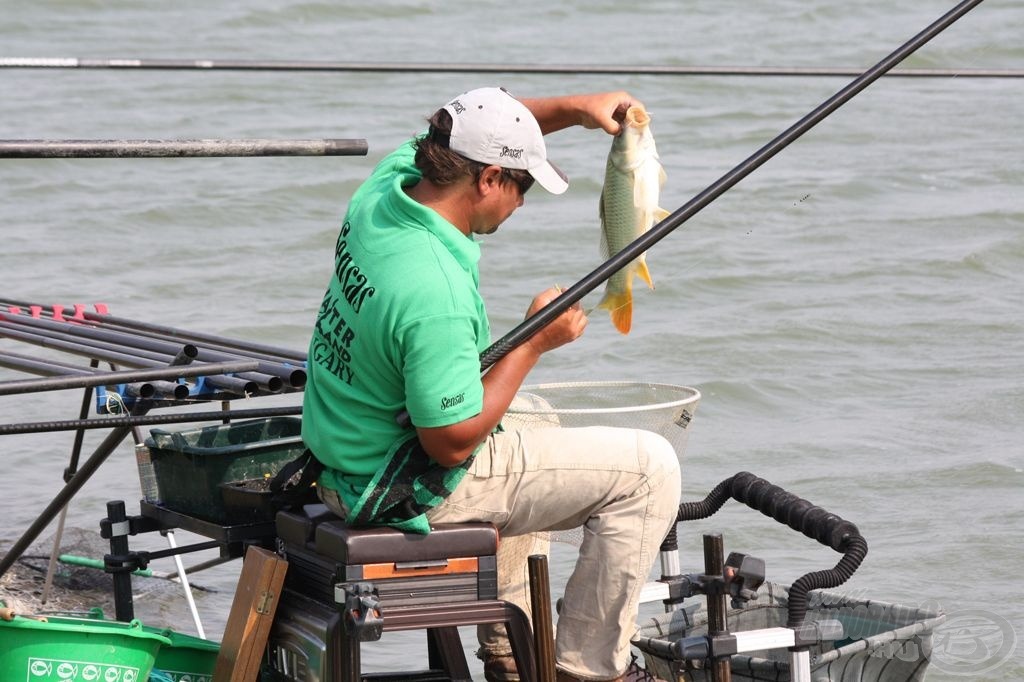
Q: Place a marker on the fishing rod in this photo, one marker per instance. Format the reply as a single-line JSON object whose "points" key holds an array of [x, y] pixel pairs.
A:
{"points": [[133, 149], [62, 371], [270, 374], [436, 67], [207, 340], [146, 420], [127, 357], [577, 291], [103, 319], [84, 377]]}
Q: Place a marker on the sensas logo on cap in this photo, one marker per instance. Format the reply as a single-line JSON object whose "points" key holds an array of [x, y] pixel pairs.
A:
{"points": [[511, 153]]}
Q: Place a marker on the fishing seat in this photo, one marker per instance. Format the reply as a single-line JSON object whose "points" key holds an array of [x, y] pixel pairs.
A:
{"points": [[346, 585]]}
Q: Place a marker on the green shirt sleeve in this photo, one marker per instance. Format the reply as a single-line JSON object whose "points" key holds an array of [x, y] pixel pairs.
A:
{"points": [[442, 370]]}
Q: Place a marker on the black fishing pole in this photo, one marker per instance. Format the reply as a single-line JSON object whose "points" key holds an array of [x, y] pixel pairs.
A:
{"points": [[147, 420], [127, 357], [61, 372], [438, 67], [576, 292], [269, 375], [212, 341], [128, 149], [84, 377], [161, 332]]}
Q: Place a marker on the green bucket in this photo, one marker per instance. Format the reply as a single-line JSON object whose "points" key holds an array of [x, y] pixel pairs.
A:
{"points": [[63, 649], [186, 658]]}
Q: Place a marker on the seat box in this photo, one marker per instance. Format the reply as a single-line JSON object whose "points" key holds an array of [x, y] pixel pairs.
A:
{"points": [[453, 563]]}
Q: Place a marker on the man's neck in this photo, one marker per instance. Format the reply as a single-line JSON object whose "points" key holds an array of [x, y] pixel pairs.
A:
{"points": [[448, 202]]}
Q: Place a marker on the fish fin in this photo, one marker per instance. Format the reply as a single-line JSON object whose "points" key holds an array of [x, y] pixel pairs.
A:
{"points": [[647, 181], [644, 195], [643, 273], [660, 214], [620, 306]]}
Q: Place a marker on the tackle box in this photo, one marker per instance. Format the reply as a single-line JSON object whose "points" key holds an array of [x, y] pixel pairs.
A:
{"points": [[453, 563]]}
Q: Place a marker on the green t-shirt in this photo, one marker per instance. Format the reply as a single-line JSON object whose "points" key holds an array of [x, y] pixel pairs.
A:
{"points": [[401, 326]]}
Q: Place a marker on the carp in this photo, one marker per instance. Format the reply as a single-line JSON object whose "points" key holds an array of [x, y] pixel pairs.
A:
{"points": [[629, 207]]}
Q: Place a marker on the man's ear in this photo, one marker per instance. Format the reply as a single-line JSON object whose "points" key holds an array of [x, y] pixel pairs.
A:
{"points": [[490, 179]]}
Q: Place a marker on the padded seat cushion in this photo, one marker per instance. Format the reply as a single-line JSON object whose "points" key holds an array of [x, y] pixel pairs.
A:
{"points": [[296, 528], [351, 546]]}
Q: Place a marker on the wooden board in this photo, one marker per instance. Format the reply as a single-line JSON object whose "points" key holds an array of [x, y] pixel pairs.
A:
{"points": [[252, 612]]}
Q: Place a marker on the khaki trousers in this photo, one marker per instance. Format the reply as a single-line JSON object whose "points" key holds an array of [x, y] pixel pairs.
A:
{"points": [[622, 486]]}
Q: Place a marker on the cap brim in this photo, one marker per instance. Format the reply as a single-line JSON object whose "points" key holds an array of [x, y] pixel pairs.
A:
{"points": [[550, 177]]}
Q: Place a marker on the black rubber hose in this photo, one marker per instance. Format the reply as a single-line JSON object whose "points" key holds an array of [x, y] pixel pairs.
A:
{"points": [[797, 513], [671, 541], [856, 550], [692, 511]]}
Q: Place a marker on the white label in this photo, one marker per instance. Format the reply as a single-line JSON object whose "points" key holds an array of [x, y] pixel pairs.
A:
{"points": [[60, 670]]}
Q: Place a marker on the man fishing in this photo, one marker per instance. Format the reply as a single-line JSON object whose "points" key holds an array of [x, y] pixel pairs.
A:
{"points": [[401, 328]]}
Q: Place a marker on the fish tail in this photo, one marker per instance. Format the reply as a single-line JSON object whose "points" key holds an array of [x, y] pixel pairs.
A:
{"points": [[620, 306]]}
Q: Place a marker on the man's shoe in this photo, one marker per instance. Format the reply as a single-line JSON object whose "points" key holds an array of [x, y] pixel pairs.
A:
{"points": [[500, 669]]}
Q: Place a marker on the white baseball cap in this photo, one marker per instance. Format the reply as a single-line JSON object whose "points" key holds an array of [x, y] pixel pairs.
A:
{"points": [[491, 126]]}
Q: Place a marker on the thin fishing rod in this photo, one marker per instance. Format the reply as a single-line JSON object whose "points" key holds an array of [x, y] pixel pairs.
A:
{"points": [[272, 374], [59, 373], [576, 292], [89, 377], [266, 351], [435, 67], [46, 368], [147, 420], [133, 149], [158, 331], [126, 357]]}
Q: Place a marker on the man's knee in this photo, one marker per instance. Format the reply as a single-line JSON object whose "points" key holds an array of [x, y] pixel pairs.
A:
{"points": [[661, 456], [662, 466]]}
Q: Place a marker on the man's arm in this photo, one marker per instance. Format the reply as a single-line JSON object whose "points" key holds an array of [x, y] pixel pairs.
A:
{"points": [[451, 445], [604, 110]]}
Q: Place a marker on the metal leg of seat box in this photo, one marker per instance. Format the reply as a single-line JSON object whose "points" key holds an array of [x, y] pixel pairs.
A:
{"points": [[442, 621], [444, 652]]}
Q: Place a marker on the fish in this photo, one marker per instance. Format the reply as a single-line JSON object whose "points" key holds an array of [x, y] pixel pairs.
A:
{"points": [[629, 207]]}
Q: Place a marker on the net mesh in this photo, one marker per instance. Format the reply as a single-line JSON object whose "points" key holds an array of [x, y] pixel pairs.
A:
{"points": [[665, 409], [882, 642]]}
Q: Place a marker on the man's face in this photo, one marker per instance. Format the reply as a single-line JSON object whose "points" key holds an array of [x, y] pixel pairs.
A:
{"points": [[500, 202]]}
